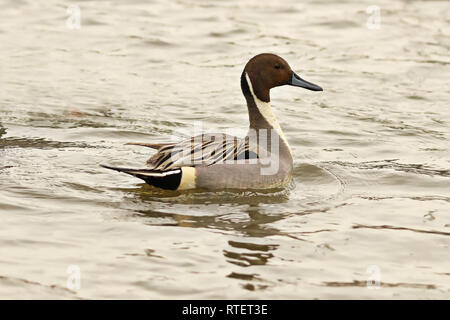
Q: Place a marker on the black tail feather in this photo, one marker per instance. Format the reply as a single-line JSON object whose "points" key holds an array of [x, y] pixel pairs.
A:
{"points": [[169, 180]]}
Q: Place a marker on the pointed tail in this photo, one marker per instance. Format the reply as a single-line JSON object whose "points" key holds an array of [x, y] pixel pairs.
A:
{"points": [[169, 180]]}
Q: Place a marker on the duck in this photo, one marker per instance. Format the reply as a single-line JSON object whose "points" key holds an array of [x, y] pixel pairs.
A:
{"points": [[260, 160]]}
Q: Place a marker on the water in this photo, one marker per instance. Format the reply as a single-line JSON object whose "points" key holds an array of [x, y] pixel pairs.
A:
{"points": [[370, 197]]}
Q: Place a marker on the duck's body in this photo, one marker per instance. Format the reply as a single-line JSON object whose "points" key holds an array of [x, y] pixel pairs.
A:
{"points": [[261, 160]]}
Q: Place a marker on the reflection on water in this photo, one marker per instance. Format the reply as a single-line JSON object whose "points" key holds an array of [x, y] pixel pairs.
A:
{"points": [[244, 254], [371, 177], [247, 259], [207, 210]]}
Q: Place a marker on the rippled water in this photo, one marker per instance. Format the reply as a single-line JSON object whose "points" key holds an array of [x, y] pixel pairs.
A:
{"points": [[371, 189]]}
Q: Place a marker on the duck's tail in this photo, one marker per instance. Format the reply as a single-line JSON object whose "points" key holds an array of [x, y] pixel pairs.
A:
{"points": [[169, 180]]}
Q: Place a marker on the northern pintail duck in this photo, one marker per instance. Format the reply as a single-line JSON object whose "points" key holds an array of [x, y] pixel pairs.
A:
{"points": [[261, 160]]}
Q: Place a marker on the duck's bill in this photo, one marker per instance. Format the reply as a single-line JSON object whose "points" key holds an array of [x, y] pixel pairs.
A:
{"points": [[299, 82]]}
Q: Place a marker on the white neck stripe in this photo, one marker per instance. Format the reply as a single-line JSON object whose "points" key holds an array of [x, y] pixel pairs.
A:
{"points": [[266, 111]]}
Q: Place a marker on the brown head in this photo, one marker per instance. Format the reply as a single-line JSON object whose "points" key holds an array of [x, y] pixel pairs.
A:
{"points": [[267, 71]]}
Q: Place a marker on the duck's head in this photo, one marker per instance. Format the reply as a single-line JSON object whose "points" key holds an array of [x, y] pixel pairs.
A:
{"points": [[266, 71]]}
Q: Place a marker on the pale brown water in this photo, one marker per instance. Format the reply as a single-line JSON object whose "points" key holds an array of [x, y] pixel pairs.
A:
{"points": [[372, 169]]}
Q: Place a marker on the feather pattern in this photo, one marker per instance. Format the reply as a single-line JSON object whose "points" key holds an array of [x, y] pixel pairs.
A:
{"points": [[204, 149]]}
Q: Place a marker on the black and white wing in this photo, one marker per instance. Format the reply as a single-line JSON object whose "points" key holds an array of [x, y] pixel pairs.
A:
{"points": [[205, 149]]}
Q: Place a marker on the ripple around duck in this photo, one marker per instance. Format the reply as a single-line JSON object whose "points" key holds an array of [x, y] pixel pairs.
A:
{"points": [[243, 212], [317, 183], [314, 180], [393, 164]]}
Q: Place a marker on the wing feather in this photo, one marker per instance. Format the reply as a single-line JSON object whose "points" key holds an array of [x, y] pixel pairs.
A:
{"points": [[206, 149]]}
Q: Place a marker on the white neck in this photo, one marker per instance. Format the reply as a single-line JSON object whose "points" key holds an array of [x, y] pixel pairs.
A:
{"points": [[266, 111]]}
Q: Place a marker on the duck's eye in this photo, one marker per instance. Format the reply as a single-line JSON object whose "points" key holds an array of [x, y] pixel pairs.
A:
{"points": [[277, 66]]}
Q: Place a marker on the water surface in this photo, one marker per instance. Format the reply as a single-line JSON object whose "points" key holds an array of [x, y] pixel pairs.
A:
{"points": [[371, 188]]}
